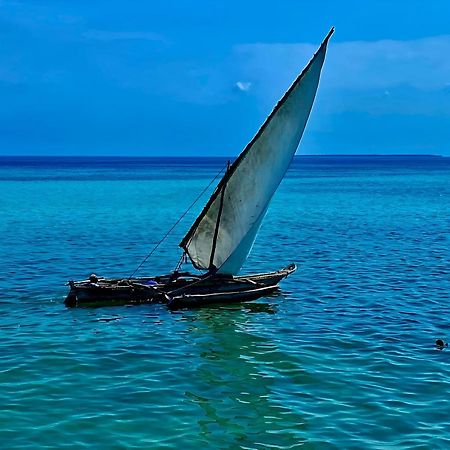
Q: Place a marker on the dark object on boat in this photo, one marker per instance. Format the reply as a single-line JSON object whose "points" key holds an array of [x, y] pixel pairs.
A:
{"points": [[93, 278], [222, 236], [440, 344], [177, 290]]}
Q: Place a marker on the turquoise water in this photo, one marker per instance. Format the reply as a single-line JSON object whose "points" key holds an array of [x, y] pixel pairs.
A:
{"points": [[344, 357]]}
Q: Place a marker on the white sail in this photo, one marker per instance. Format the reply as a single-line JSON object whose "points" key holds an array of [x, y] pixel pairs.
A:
{"points": [[223, 234]]}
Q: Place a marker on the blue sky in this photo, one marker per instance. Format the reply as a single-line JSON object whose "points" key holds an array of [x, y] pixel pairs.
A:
{"points": [[198, 78]]}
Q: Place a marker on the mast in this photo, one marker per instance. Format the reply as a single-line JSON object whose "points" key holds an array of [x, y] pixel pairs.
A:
{"points": [[216, 231]]}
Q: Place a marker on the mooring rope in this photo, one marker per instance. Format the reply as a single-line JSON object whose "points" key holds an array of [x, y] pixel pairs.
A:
{"points": [[177, 222]]}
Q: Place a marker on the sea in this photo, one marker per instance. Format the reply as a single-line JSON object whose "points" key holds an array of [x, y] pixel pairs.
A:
{"points": [[343, 357]]}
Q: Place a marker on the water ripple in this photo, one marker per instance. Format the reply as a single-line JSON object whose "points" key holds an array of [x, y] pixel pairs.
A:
{"points": [[343, 357]]}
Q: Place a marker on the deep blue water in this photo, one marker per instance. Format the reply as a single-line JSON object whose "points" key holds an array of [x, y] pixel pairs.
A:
{"points": [[344, 357]]}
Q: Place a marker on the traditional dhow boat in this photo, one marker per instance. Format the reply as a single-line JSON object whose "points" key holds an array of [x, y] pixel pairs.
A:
{"points": [[221, 237], [172, 288]]}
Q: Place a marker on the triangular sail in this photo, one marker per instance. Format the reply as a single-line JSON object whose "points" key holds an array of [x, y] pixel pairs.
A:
{"points": [[223, 234]]}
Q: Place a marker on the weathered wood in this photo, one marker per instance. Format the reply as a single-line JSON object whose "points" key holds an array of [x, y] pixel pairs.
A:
{"points": [[165, 288]]}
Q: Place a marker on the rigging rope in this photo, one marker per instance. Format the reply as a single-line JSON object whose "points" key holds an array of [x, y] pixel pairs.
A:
{"points": [[177, 222]]}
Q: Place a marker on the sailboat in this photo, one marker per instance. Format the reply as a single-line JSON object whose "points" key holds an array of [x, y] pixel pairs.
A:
{"points": [[220, 239]]}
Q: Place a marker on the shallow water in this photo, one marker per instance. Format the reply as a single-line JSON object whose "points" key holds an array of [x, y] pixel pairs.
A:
{"points": [[344, 357]]}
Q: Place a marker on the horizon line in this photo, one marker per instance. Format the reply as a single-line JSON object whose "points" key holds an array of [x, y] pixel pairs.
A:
{"points": [[395, 155]]}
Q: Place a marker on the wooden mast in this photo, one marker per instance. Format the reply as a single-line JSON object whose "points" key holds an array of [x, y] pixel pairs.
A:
{"points": [[212, 267]]}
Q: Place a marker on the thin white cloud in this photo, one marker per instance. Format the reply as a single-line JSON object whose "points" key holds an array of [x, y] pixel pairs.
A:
{"points": [[419, 63], [101, 35], [357, 74]]}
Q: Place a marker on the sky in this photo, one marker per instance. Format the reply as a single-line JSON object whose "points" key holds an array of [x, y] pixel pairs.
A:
{"points": [[171, 78]]}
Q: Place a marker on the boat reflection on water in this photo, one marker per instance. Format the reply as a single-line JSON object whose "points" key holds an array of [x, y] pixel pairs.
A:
{"points": [[240, 380]]}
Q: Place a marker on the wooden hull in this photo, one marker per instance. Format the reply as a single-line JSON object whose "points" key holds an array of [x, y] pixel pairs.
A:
{"points": [[177, 290], [198, 300]]}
